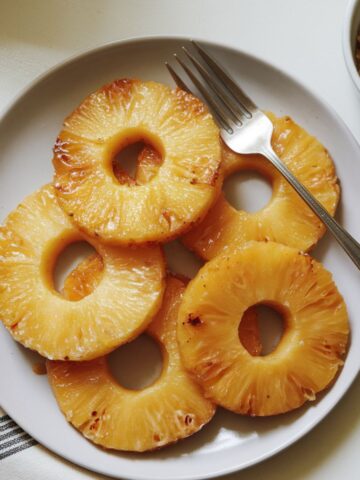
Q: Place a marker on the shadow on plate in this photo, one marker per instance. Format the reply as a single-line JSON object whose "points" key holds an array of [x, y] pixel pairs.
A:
{"points": [[31, 358], [227, 426]]}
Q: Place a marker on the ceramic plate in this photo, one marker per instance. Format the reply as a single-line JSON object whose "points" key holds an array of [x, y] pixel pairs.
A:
{"points": [[27, 133]]}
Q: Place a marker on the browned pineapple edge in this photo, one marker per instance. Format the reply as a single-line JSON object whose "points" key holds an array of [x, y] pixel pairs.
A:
{"points": [[165, 200], [118, 418]]}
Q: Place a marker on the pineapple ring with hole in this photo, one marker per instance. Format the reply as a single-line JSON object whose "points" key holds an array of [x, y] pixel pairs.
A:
{"points": [[112, 416], [128, 295], [286, 218], [157, 208], [309, 353]]}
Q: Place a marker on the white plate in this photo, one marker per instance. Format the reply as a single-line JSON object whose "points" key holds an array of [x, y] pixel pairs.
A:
{"points": [[28, 131]]}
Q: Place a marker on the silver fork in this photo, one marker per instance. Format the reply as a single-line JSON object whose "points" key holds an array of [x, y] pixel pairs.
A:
{"points": [[245, 129]]}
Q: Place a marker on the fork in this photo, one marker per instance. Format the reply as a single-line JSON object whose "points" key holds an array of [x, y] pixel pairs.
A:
{"points": [[245, 129]]}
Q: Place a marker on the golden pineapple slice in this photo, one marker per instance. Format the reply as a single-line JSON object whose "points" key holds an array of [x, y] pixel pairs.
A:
{"points": [[84, 278], [286, 218], [129, 292], [136, 420], [148, 165], [309, 353], [161, 205], [122, 176], [249, 333]]}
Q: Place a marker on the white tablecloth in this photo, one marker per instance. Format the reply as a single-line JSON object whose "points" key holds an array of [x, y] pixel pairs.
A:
{"points": [[302, 37]]}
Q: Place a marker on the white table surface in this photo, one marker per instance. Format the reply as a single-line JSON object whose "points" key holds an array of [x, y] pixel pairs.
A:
{"points": [[302, 37]]}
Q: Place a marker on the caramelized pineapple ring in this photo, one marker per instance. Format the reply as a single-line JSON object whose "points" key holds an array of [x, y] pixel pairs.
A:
{"points": [[136, 420], [309, 353], [164, 202], [286, 218], [129, 292]]}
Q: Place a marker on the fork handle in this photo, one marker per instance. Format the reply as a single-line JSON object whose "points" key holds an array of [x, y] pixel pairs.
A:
{"points": [[346, 241]]}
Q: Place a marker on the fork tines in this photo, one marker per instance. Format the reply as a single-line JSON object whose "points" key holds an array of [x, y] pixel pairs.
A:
{"points": [[229, 104]]}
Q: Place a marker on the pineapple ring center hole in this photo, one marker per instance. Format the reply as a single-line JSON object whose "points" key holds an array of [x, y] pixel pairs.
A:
{"points": [[247, 190], [67, 261], [137, 364], [136, 163], [262, 328]]}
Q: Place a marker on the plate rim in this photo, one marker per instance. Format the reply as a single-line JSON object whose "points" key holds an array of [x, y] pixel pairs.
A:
{"points": [[102, 47], [82, 53]]}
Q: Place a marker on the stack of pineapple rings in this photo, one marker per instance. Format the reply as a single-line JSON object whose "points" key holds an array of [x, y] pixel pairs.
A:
{"points": [[207, 330]]}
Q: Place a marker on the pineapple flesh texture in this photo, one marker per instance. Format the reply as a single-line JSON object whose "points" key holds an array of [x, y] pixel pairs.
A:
{"points": [[128, 294], [286, 218], [249, 332], [309, 353], [84, 278], [147, 166], [166, 200], [170, 409]]}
